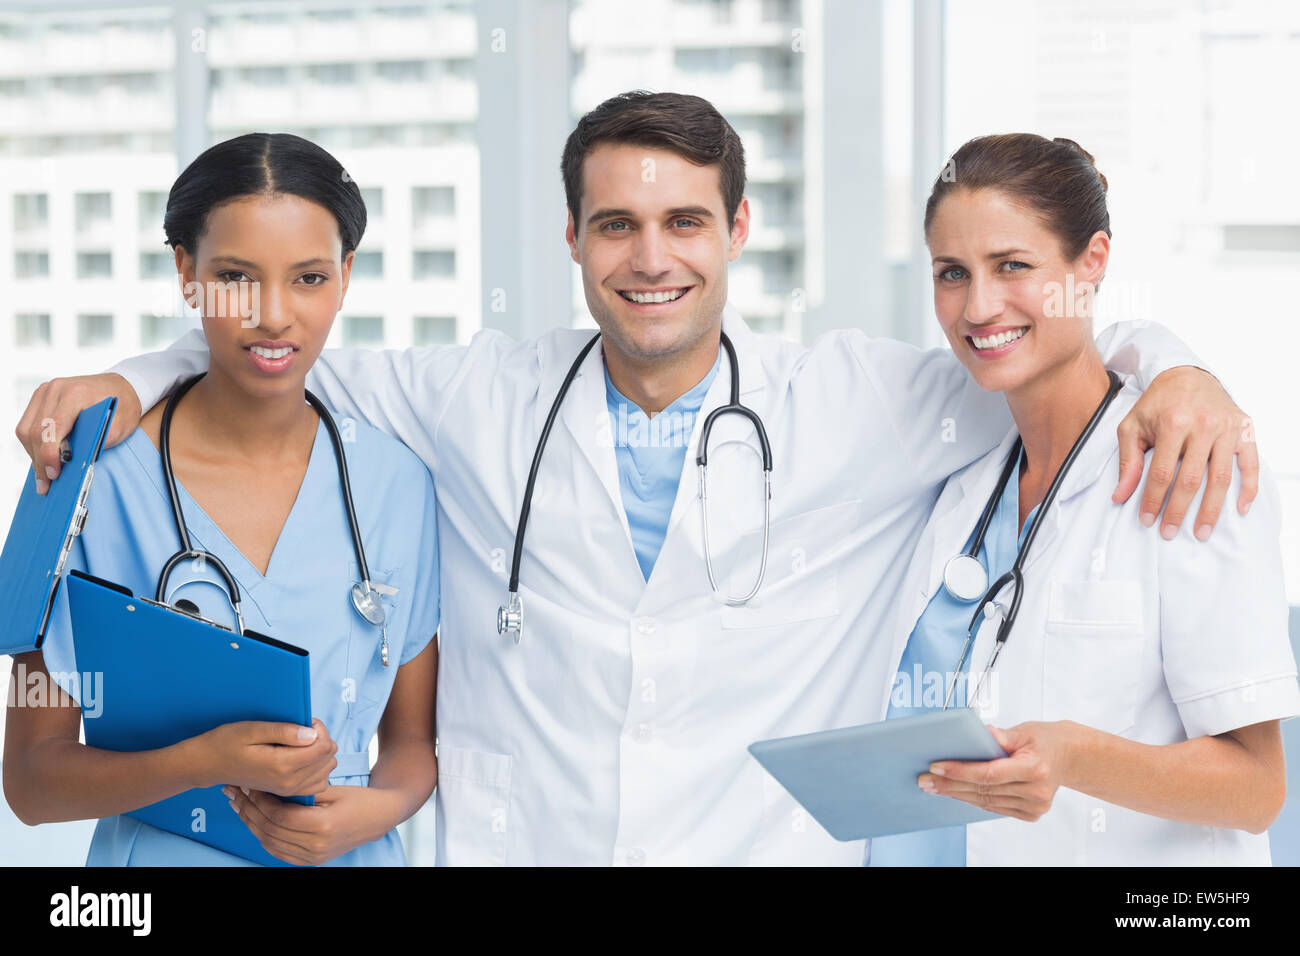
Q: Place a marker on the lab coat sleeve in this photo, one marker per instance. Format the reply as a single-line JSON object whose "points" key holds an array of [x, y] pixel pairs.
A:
{"points": [[1223, 619], [399, 391], [943, 420], [1144, 350], [426, 600], [154, 374]]}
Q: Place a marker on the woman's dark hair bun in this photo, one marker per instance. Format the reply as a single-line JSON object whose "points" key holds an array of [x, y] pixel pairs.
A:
{"points": [[1085, 154]]}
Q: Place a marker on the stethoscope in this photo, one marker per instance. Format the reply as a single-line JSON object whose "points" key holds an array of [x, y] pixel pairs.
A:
{"points": [[364, 596], [965, 578], [510, 616]]}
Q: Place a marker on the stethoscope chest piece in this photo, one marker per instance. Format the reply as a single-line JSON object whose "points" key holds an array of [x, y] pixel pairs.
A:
{"points": [[965, 578], [510, 617], [367, 604]]}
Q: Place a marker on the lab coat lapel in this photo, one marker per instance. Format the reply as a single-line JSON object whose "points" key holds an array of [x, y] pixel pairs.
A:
{"points": [[1097, 459], [958, 510], [585, 413]]}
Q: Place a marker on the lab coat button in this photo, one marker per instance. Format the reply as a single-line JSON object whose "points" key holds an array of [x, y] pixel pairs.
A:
{"points": [[645, 625], [643, 733], [636, 856]]}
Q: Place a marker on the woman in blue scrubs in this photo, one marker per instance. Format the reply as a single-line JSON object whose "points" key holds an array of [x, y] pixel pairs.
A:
{"points": [[275, 220]]}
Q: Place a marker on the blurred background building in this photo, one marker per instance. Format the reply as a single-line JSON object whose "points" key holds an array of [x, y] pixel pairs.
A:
{"points": [[451, 116]]}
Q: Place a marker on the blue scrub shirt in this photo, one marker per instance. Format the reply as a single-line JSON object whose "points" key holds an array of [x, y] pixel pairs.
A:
{"points": [[304, 599], [925, 671], [650, 453]]}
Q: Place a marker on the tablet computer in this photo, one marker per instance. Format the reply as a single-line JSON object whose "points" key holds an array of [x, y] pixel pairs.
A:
{"points": [[860, 782]]}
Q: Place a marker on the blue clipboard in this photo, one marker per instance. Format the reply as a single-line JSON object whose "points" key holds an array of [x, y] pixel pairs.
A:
{"points": [[164, 676], [41, 534], [860, 782]]}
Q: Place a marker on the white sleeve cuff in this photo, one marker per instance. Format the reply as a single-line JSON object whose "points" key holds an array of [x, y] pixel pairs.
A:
{"points": [[1249, 702]]}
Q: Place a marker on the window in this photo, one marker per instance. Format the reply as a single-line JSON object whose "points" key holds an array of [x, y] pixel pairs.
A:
{"points": [[31, 265], [157, 265], [93, 330], [373, 197], [435, 329], [334, 74], [93, 209], [368, 265], [31, 212], [152, 207], [363, 330], [433, 202], [158, 331], [264, 76], [94, 265], [31, 329], [430, 264], [402, 71]]}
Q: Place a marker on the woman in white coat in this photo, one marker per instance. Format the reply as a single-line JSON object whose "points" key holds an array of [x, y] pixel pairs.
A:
{"points": [[1139, 690]]}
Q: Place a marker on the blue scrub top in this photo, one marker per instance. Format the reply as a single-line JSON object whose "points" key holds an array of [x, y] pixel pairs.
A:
{"points": [[650, 452], [303, 599], [925, 671]]}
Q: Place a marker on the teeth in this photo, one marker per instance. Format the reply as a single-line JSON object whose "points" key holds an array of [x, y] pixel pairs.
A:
{"points": [[996, 341], [270, 353], [649, 298]]}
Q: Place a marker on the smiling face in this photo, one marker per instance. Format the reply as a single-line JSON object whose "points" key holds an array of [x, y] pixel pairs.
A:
{"points": [[1012, 306], [654, 243], [290, 248]]}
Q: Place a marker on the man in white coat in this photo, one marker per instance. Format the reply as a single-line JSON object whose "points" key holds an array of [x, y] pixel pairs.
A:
{"points": [[615, 730]]}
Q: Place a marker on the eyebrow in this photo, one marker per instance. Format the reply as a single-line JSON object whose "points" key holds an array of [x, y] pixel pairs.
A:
{"points": [[1002, 254], [245, 264], [700, 212]]}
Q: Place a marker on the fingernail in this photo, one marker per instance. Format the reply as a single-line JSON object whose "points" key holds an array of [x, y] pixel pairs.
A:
{"points": [[306, 733], [927, 786], [42, 486], [938, 771], [230, 794], [1169, 532], [50, 472], [1246, 510], [1147, 519], [244, 790], [232, 806], [1203, 533]]}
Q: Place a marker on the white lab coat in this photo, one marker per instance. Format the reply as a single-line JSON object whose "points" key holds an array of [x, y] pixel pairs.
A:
{"points": [[616, 732], [1157, 641]]}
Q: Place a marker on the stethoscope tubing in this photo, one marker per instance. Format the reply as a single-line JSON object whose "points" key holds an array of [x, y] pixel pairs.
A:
{"points": [[1016, 574], [188, 551], [510, 616]]}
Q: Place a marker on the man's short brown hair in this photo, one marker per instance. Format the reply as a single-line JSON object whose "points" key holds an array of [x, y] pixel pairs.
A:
{"points": [[686, 125]]}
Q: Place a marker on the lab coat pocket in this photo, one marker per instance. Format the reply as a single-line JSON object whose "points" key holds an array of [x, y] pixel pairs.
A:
{"points": [[801, 581], [1092, 653], [473, 806], [365, 663]]}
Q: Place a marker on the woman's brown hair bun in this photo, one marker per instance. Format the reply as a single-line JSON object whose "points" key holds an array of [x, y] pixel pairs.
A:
{"points": [[1085, 154]]}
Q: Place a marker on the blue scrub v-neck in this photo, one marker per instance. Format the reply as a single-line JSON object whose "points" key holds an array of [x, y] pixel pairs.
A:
{"points": [[650, 453], [207, 534]]}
